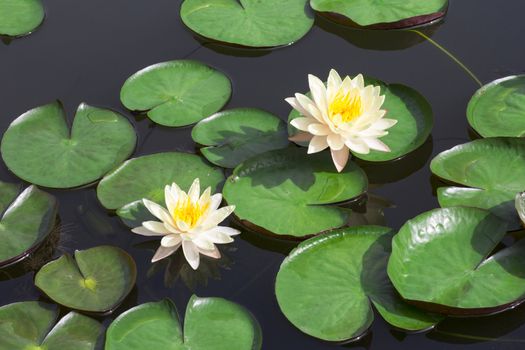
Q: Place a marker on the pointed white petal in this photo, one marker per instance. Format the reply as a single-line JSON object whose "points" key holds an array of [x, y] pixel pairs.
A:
{"points": [[384, 124], [145, 232], [340, 158], [376, 144], [205, 197], [170, 240], [202, 242], [156, 226], [298, 107], [302, 123], [359, 82], [191, 254], [317, 144], [333, 84], [216, 236], [357, 146], [158, 211], [319, 129], [215, 253], [170, 197], [183, 226], [335, 142], [195, 191], [215, 202], [217, 217], [301, 137], [164, 252], [227, 230], [309, 106], [318, 91]]}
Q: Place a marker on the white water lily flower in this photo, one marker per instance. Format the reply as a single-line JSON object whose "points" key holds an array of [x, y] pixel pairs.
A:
{"points": [[344, 115], [189, 221]]}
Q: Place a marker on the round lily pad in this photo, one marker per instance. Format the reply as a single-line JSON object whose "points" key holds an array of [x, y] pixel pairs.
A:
{"points": [[383, 14], [498, 108], [210, 323], [520, 206], [39, 148], [290, 193], [414, 121], [338, 277], [441, 259], [32, 325], [95, 280], [493, 167], [233, 136], [27, 220], [252, 23], [176, 93], [19, 17], [146, 177]]}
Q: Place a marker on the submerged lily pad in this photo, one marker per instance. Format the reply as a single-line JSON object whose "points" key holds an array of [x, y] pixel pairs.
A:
{"points": [[146, 177], [251, 23], [31, 325], [210, 323], [414, 121], [233, 136], [383, 14], [498, 108], [520, 206], [39, 148], [287, 192], [28, 219], [176, 93], [19, 17], [493, 167], [326, 286], [95, 280], [441, 259]]}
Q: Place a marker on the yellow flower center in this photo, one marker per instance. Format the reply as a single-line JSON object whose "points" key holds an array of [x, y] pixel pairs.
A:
{"points": [[189, 212], [347, 105]]}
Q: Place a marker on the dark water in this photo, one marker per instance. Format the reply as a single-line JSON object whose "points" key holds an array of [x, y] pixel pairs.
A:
{"points": [[86, 49]]}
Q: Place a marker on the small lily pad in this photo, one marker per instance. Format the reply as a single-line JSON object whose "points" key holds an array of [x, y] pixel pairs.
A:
{"points": [[338, 277], [498, 108], [288, 192], [146, 177], [520, 206], [442, 260], [39, 147], [414, 121], [28, 219], [233, 136], [252, 23], [176, 93], [94, 280], [493, 167], [210, 323], [384, 14], [19, 17], [32, 325]]}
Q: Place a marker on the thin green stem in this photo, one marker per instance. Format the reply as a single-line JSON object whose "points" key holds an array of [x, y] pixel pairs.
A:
{"points": [[468, 71]]}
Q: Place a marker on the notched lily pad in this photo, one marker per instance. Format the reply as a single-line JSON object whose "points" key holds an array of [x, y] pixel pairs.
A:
{"points": [[233, 136], [210, 323], [494, 168], [289, 193], [146, 177], [382, 14], [94, 280], [27, 220], [251, 23], [442, 261], [32, 325], [20, 17], [498, 108], [176, 93], [39, 147], [414, 121], [338, 277]]}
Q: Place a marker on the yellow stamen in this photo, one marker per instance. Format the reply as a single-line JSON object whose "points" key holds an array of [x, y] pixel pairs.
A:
{"points": [[347, 105], [189, 212]]}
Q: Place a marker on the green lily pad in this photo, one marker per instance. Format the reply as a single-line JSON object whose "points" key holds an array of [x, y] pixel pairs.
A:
{"points": [[146, 177], [210, 323], [520, 206], [387, 13], [441, 259], [19, 17], [414, 121], [27, 220], [176, 93], [250, 23], [498, 108], [95, 280], [234, 136], [493, 167], [39, 148], [338, 277], [288, 192], [32, 325]]}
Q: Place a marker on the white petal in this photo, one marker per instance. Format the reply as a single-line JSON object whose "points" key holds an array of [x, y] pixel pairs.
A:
{"points": [[335, 142], [170, 240], [298, 107], [191, 254], [183, 226], [202, 242], [319, 129], [340, 158], [359, 82], [156, 226], [158, 211], [195, 191], [145, 232], [175, 190], [318, 91], [357, 146], [302, 123], [215, 253], [164, 252], [227, 230], [309, 106], [317, 144], [215, 202], [301, 137], [170, 197], [334, 82], [217, 217], [384, 124], [376, 144], [218, 237], [205, 197]]}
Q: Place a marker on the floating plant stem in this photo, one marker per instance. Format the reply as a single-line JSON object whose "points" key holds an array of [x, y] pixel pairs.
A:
{"points": [[449, 54]]}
